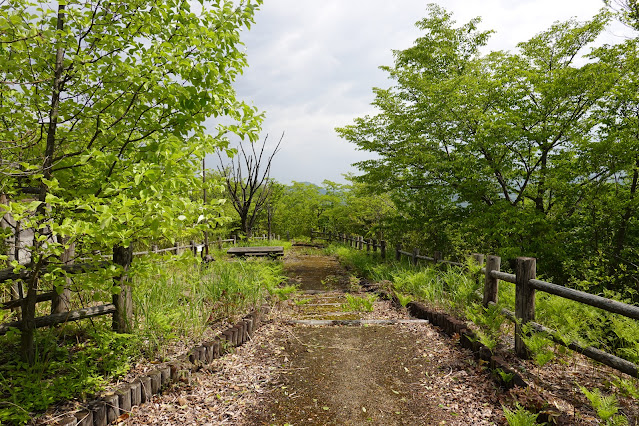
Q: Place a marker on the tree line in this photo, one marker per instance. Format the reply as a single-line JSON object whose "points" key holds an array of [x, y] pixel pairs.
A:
{"points": [[526, 153]]}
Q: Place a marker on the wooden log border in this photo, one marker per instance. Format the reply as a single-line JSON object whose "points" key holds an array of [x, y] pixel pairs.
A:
{"points": [[467, 339], [526, 285], [108, 407], [454, 327]]}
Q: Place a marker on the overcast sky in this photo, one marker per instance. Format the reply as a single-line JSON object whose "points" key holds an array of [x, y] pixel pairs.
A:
{"points": [[312, 65]]}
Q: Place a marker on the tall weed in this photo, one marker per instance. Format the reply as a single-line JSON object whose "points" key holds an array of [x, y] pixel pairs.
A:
{"points": [[180, 296]]}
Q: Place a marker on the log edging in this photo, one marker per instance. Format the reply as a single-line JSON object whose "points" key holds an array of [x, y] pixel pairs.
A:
{"points": [[454, 327], [108, 407], [468, 339]]}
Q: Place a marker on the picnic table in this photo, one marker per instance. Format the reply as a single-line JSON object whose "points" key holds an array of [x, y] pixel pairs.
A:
{"points": [[271, 251]]}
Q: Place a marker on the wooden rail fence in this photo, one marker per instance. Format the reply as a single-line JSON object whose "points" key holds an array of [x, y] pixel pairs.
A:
{"points": [[526, 286], [121, 307]]}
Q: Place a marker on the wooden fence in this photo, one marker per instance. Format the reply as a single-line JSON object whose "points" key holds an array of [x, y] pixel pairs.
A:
{"points": [[356, 242], [526, 286], [265, 237], [121, 307]]}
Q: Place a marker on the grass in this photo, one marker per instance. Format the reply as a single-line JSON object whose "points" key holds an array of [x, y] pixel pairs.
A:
{"points": [[72, 362], [359, 304], [450, 288], [175, 298], [181, 296]]}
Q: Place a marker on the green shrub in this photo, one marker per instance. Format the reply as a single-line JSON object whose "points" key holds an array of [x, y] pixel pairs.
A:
{"points": [[77, 363]]}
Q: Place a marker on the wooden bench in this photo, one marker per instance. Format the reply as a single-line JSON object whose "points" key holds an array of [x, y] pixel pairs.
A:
{"points": [[274, 251]]}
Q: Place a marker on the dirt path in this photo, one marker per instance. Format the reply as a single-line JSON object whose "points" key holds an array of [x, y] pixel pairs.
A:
{"points": [[403, 374]]}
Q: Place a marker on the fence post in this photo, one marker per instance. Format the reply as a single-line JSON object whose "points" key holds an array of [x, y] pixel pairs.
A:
{"points": [[524, 301], [62, 302], [177, 248], [478, 259], [374, 245], [123, 301], [360, 244], [368, 245], [154, 248], [491, 285], [383, 249], [398, 249], [219, 243], [234, 240], [415, 254], [437, 257], [311, 235], [193, 248]]}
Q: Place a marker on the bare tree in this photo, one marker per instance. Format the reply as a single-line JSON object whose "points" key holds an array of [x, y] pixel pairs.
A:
{"points": [[248, 181]]}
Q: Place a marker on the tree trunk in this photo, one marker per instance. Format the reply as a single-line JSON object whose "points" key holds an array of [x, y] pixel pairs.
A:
{"points": [[28, 320], [29, 303], [541, 188], [123, 301], [62, 302], [620, 237], [12, 252]]}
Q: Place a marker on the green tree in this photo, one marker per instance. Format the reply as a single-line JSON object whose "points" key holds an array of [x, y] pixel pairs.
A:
{"points": [[489, 151], [103, 107], [618, 152], [628, 11], [298, 209]]}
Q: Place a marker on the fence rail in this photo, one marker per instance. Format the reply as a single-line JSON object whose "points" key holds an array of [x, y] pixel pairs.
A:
{"points": [[54, 319], [121, 310], [526, 286]]}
